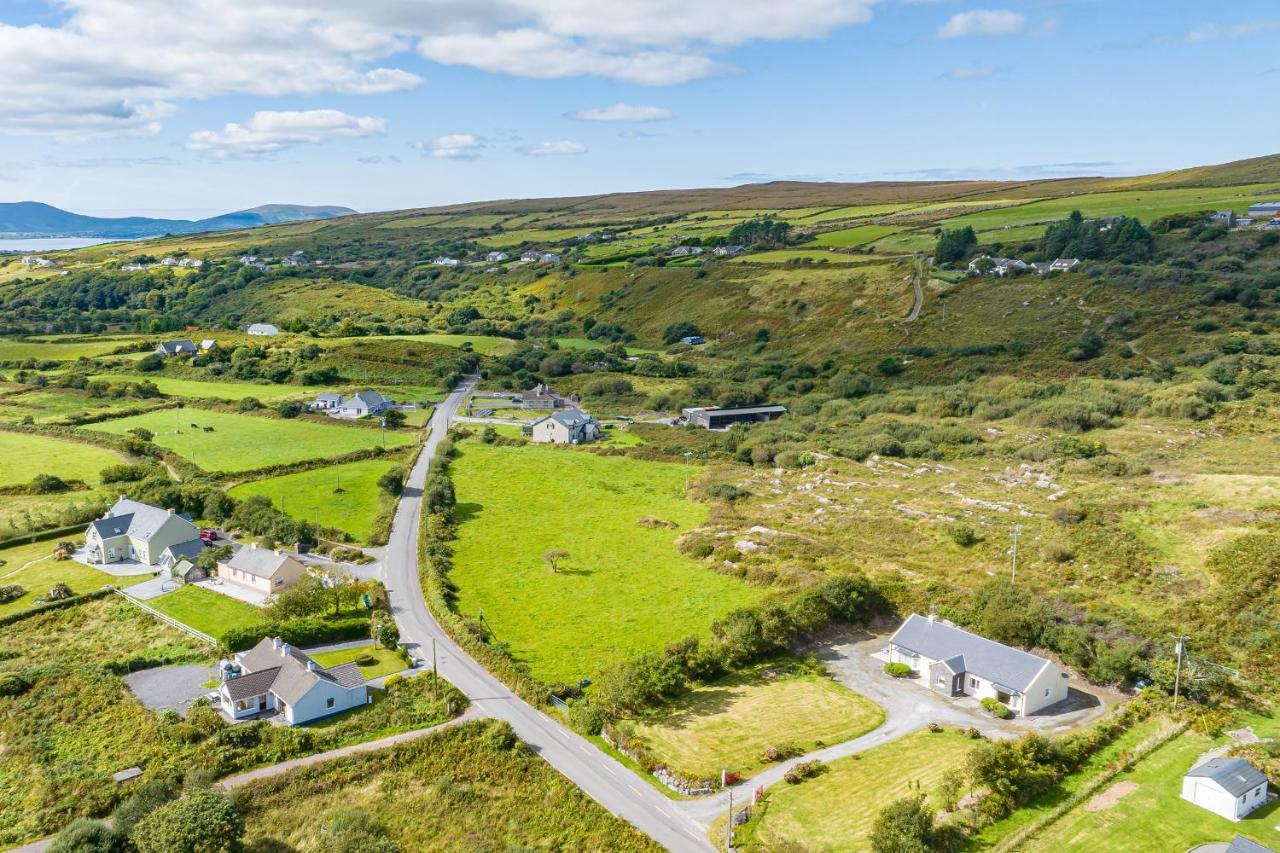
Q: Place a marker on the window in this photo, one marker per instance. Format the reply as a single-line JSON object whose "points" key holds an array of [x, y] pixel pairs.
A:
{"points": [[1046, 691], [328, 703], [280, 582], [973, 684]]}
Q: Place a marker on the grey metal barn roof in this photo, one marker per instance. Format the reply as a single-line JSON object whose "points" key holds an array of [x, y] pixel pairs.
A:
{"points": [[745, 410], [1235, 775], [1005, 665]]}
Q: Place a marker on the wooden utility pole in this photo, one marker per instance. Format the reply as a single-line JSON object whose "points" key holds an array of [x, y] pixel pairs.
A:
{"points": [[1017, 529], [1179, 648], [435, 676], [728, 833]]}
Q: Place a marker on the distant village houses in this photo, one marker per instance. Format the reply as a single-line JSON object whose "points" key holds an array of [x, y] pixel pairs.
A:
{"points": [[445, 261], [172, 349], [496, 257], [542, 397], [685, 251], [296, 259], [37, 261], [728, 251], [262, 329]]}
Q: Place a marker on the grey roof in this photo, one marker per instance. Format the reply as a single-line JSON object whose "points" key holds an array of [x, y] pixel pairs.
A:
{"points": [[291, 677], [188, 550], [177, 346], [1236, 775], [132, 518], [330, 396], [345, 674], [744, 410], [955, 664], [571, 418], [1265, 206], [266, 655], [259, 562], [253, 684], [262, 327], [1240, 844], [988, 659], [369, 398]]}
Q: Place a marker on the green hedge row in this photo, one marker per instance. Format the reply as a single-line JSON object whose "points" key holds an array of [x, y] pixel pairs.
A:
{"points": [[53, 605], [307, 630]]}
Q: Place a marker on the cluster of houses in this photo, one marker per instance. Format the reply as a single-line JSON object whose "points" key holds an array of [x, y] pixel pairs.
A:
{"points": [[985, 264], [360, 405], [497, 257], [565, 424], [175, 349], [293, 259], [179, 263], [38, 262], [1262, 216], [718, 251]]}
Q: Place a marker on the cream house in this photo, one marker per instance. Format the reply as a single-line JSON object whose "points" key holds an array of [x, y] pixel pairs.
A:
{"points": [[262, 569], [956, 662], [134, 531]]}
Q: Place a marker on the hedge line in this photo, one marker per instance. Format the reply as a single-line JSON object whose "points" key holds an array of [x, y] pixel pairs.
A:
{"points": [[48, 533], [306, 465], [307, 630], [54, 605]]}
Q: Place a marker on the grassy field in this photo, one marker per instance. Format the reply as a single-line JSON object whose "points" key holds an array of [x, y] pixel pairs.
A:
{"points": [[18, 350], [23, 456], [33, 568], [197, 388], [782, 256], [858, 236], [385, 661], [836, 810], [52, 405], [208, 612], [624, 587], [728, 724], [1153, 817], [244, 442], [315, 494], [462, 789]]}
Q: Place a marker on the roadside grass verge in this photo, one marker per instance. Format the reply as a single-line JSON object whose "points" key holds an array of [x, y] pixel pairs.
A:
{"points": [[343, 496], [474, 787], [835, 811], [730, 722], [623, 588], [206, 611], [246, 442], [385, 660]]}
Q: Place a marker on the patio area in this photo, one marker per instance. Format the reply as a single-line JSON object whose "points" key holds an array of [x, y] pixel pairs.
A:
{"points": [[232, 590], [120, 568]]}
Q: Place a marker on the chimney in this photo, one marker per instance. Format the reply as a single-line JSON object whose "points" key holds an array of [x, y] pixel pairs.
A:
{"points": [[253, 545], [170, 510], [933, 617], [311, 666], [285, 649], [275, 642]]}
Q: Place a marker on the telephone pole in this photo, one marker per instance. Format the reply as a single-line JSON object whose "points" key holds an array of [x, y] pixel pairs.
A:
{"points": [[1017, 529], [435, 677], [728, 832], [1179, 648]]}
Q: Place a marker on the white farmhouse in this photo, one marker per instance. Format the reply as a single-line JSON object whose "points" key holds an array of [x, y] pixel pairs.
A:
{"points": [[1230, 787], [445, 261], [496, 257], [568, 427], [136, 531], [364, 404], [955, 662], [263, 330], [275, 678]]}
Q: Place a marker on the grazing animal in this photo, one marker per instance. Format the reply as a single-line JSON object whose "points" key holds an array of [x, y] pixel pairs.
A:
{"points": [[195, 426], [208, 429]]}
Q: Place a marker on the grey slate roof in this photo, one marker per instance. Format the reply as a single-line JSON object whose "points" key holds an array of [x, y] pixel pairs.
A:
{"points": [[1240, 844], [253, 684], [1236, 775], [178, 346], [570, 418], [345, 674], [1005, 665], [185, 550], [370, 399], [745, 410], [132, 518], [259, 562], [291, 678]]}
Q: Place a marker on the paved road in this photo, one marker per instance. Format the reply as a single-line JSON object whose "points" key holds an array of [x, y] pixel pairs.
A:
{"points": [[604, 779]]}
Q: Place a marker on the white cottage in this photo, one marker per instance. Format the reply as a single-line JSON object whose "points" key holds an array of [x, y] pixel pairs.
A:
{"points": [[275, 678], [1230, 787]]}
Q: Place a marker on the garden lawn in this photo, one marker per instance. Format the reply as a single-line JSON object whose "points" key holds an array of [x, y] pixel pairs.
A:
{"points": [[23, 456], [245, 442], [472, 787], [1154, 817], [835, 811], [207, 611], [385, 660], [729, 723], [201, 389], [41, 572], [313, 495], [623, 589]]}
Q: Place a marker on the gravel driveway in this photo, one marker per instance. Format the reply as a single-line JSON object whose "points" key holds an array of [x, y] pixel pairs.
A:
{"points": [[165, 688]]}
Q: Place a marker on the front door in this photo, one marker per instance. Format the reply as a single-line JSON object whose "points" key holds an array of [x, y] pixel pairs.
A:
{"points": [[262, 703]]}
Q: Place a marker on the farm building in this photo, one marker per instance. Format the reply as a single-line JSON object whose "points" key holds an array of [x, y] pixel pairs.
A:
{"points": [[275, 678], [136, 531], [1225, 218], [169, 349], [955, 662], [568, 427], [262, 329], [542, 397], [1265, 208], [1230, 787], [714, 417], [262, 569]]}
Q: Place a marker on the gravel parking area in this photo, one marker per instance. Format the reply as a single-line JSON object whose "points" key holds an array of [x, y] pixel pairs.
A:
{"points": [[166, 688]]}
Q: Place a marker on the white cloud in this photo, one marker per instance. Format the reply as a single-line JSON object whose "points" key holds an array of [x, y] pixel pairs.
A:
{"points": [[111, 66], [455, 146], [555, 149], [621, 112], [1210, 32], [983, 22], [269, 131], [972, 72]]}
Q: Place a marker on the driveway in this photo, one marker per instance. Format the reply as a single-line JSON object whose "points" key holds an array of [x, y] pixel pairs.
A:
{"points": [[120, 568], [165, 688], [152, 588], [908, 699]]}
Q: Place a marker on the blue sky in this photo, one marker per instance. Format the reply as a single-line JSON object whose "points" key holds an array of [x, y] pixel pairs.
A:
{"points": [[162, 108]]}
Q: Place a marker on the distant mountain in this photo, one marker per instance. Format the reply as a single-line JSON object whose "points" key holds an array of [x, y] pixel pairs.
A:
{"points": [[34, 219]]}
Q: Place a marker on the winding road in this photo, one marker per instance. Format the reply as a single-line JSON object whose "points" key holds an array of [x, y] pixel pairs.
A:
{"points": [[602, 777]]}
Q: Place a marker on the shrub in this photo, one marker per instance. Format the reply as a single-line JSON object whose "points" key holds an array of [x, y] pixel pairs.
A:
{"points": [[897, 670], [781, 752], [59, 592], [726, 491], [390, 682], [11, 592], [84, 835], [996, 709], [804, 770], [13, 684], [204, 822], [963, 535]]}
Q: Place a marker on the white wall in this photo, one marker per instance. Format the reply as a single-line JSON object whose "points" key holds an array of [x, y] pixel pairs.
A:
{"points": [[314, 704], [1049, 679]]}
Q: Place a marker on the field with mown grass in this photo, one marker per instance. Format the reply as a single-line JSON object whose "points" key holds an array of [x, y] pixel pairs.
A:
{"points": [[47, 405], [836, 810], [33, 567], [209, 612], [244, 442], [1153, 817], [384, 661], [343, 496], [859, 235], [623, 588], [474, 787], [201, 389], [23, 456], [783, 256], [12, 349], [730, 722]]}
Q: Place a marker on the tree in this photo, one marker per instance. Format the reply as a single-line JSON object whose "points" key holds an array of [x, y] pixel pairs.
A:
{"points": [[553, 557], [955, 245], [904, 826], [383, 629], [150, 363], [393, 418], [676, 331], [87, 836], [205, 822], [392, 482], [142, 802]]}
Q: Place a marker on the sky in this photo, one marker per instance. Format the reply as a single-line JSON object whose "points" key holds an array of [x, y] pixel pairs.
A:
{"points": [[193, 108]]}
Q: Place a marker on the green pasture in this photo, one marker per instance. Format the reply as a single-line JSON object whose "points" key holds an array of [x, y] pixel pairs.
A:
{"points": [[532, 235], [782, 256], [33, 567], [341, 496], [12, 349], [860, 235], [23, 456], [201, 389], [54, 404], [244, 442], [623, 588]]}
